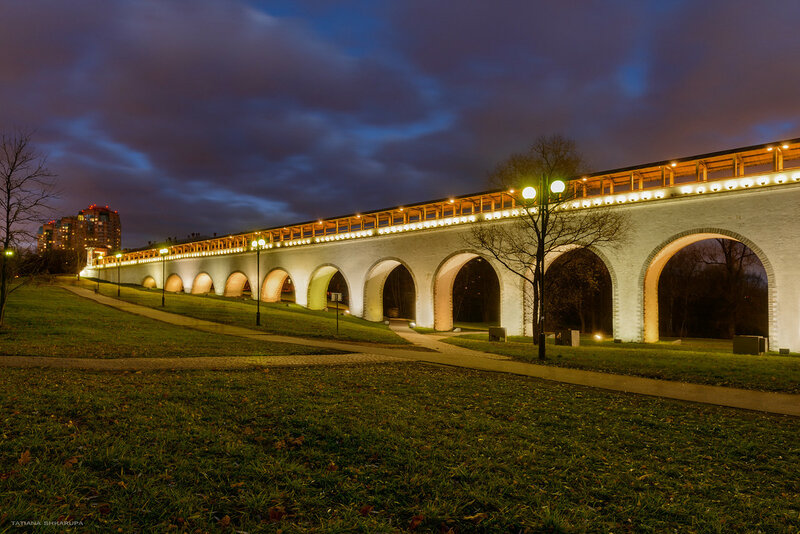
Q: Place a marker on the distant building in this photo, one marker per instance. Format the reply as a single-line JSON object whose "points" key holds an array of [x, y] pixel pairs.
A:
{"points": [[95, 227]]}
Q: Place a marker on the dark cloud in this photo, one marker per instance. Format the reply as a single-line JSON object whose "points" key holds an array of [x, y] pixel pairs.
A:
{"points": [[221, 116]]}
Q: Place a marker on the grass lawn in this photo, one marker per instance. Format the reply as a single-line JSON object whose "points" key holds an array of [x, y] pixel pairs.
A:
{"points": [[380, 449], [712, 365], [276, 317], [50, 321]]}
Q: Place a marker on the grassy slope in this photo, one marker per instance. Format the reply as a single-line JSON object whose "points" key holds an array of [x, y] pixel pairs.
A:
{"points": [[279, 318], [49, 321], [312, 449], [768, 373]]}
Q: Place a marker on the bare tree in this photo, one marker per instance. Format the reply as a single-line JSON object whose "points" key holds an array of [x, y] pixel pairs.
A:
{"points": [[546, 222], [25, 187]]}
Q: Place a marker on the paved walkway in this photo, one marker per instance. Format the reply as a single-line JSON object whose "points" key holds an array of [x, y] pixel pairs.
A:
{"points": [[437, 353]]}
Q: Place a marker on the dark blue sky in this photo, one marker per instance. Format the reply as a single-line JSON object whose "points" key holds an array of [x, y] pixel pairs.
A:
{"points": [[224, 116]]}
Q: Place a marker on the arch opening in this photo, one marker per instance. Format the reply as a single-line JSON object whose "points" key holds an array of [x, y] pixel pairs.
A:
{"points": [[174, 284], [324, 281], [390, 291], [466, 290], [237, 285], [578, 293], [720, 281], [149, 282], [277, 287], [202, 285], [714, 288]]}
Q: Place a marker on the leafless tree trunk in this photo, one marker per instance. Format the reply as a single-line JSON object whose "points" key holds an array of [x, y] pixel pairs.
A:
{"points": [[25, 187]]}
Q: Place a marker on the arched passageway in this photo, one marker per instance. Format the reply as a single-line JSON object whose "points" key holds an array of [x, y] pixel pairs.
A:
{"points": [[277, 287], [715, 288], [389, 291], [325, 280], [578, 293], [237, 285], [661, 256], [149, 282], [202, 285], [174, 284], [466, 289]]}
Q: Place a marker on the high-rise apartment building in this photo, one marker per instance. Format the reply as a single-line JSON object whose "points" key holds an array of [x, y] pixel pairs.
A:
{"points": [[95, 227]]}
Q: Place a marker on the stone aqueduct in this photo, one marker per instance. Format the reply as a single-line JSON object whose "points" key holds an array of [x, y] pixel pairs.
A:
{"points": [[751, 195]]}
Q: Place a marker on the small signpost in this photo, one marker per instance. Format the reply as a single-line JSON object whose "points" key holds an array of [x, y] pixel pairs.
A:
{"points": [[337, 298]]}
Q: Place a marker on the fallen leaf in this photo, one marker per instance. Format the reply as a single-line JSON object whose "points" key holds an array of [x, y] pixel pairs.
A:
{"points": [[276, 513], [415, 522], [225, 521], [365, 510], [333, 467], [72, 461], [25, 457], [7, 475]]}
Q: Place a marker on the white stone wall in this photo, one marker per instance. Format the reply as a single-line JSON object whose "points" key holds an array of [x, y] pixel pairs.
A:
{"points": [[767, 220]]}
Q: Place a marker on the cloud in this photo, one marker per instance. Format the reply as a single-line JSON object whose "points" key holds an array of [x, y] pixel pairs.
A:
{"points": [[226, 116]]}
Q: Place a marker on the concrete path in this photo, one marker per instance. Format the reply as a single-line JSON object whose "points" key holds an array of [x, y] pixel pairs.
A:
{"points": [[200, 362], [443, 354]]}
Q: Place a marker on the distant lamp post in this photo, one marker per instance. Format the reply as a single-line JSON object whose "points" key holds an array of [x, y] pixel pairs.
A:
{"points": [[97, 279], [258, 245], [556, 187], [119, 259], [163, 252]]}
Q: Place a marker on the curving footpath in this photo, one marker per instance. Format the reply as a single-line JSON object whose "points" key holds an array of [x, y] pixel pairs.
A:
{"points": [[435, 352]]}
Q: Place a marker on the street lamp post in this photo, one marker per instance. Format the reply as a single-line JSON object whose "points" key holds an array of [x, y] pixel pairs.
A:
{"points": [[258, 245], [529, 193], [119, 258], [163, 252]]}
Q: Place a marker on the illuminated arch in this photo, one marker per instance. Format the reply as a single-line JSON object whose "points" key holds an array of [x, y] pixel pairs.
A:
{"points": [[149, 282], [273, 285], [234, 286], [443, 288], [202, 284], [373, 287], [174, 284], [318, 286], [658, 258]]}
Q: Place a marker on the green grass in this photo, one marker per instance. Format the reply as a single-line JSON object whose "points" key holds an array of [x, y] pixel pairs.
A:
{"points": [[371, 448], [50, 321], [276, 317], [664, 361]]}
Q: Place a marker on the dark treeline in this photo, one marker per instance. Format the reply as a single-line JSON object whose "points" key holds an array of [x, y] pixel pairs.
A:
{"points": [[715, 288], [578, 293], [30, 263]]}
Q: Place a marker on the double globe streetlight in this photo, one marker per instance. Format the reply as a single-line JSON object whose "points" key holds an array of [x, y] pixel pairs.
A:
{"points": [[258, 245], [529, 194]]}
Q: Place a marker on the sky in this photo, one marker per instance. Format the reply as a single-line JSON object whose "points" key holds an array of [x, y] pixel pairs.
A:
{"points": [[223, 116]]}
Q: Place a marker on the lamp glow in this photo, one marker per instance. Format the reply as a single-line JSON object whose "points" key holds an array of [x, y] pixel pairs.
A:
{"points": [[164, 251], [558, 186], [529, 193]]}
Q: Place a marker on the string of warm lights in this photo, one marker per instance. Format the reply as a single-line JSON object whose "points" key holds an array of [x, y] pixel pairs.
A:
{"points": [[677, 191]]}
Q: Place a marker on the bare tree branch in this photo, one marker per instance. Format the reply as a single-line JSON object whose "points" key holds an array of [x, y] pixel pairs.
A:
{"points": [[26, 187], [545, 224]]}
